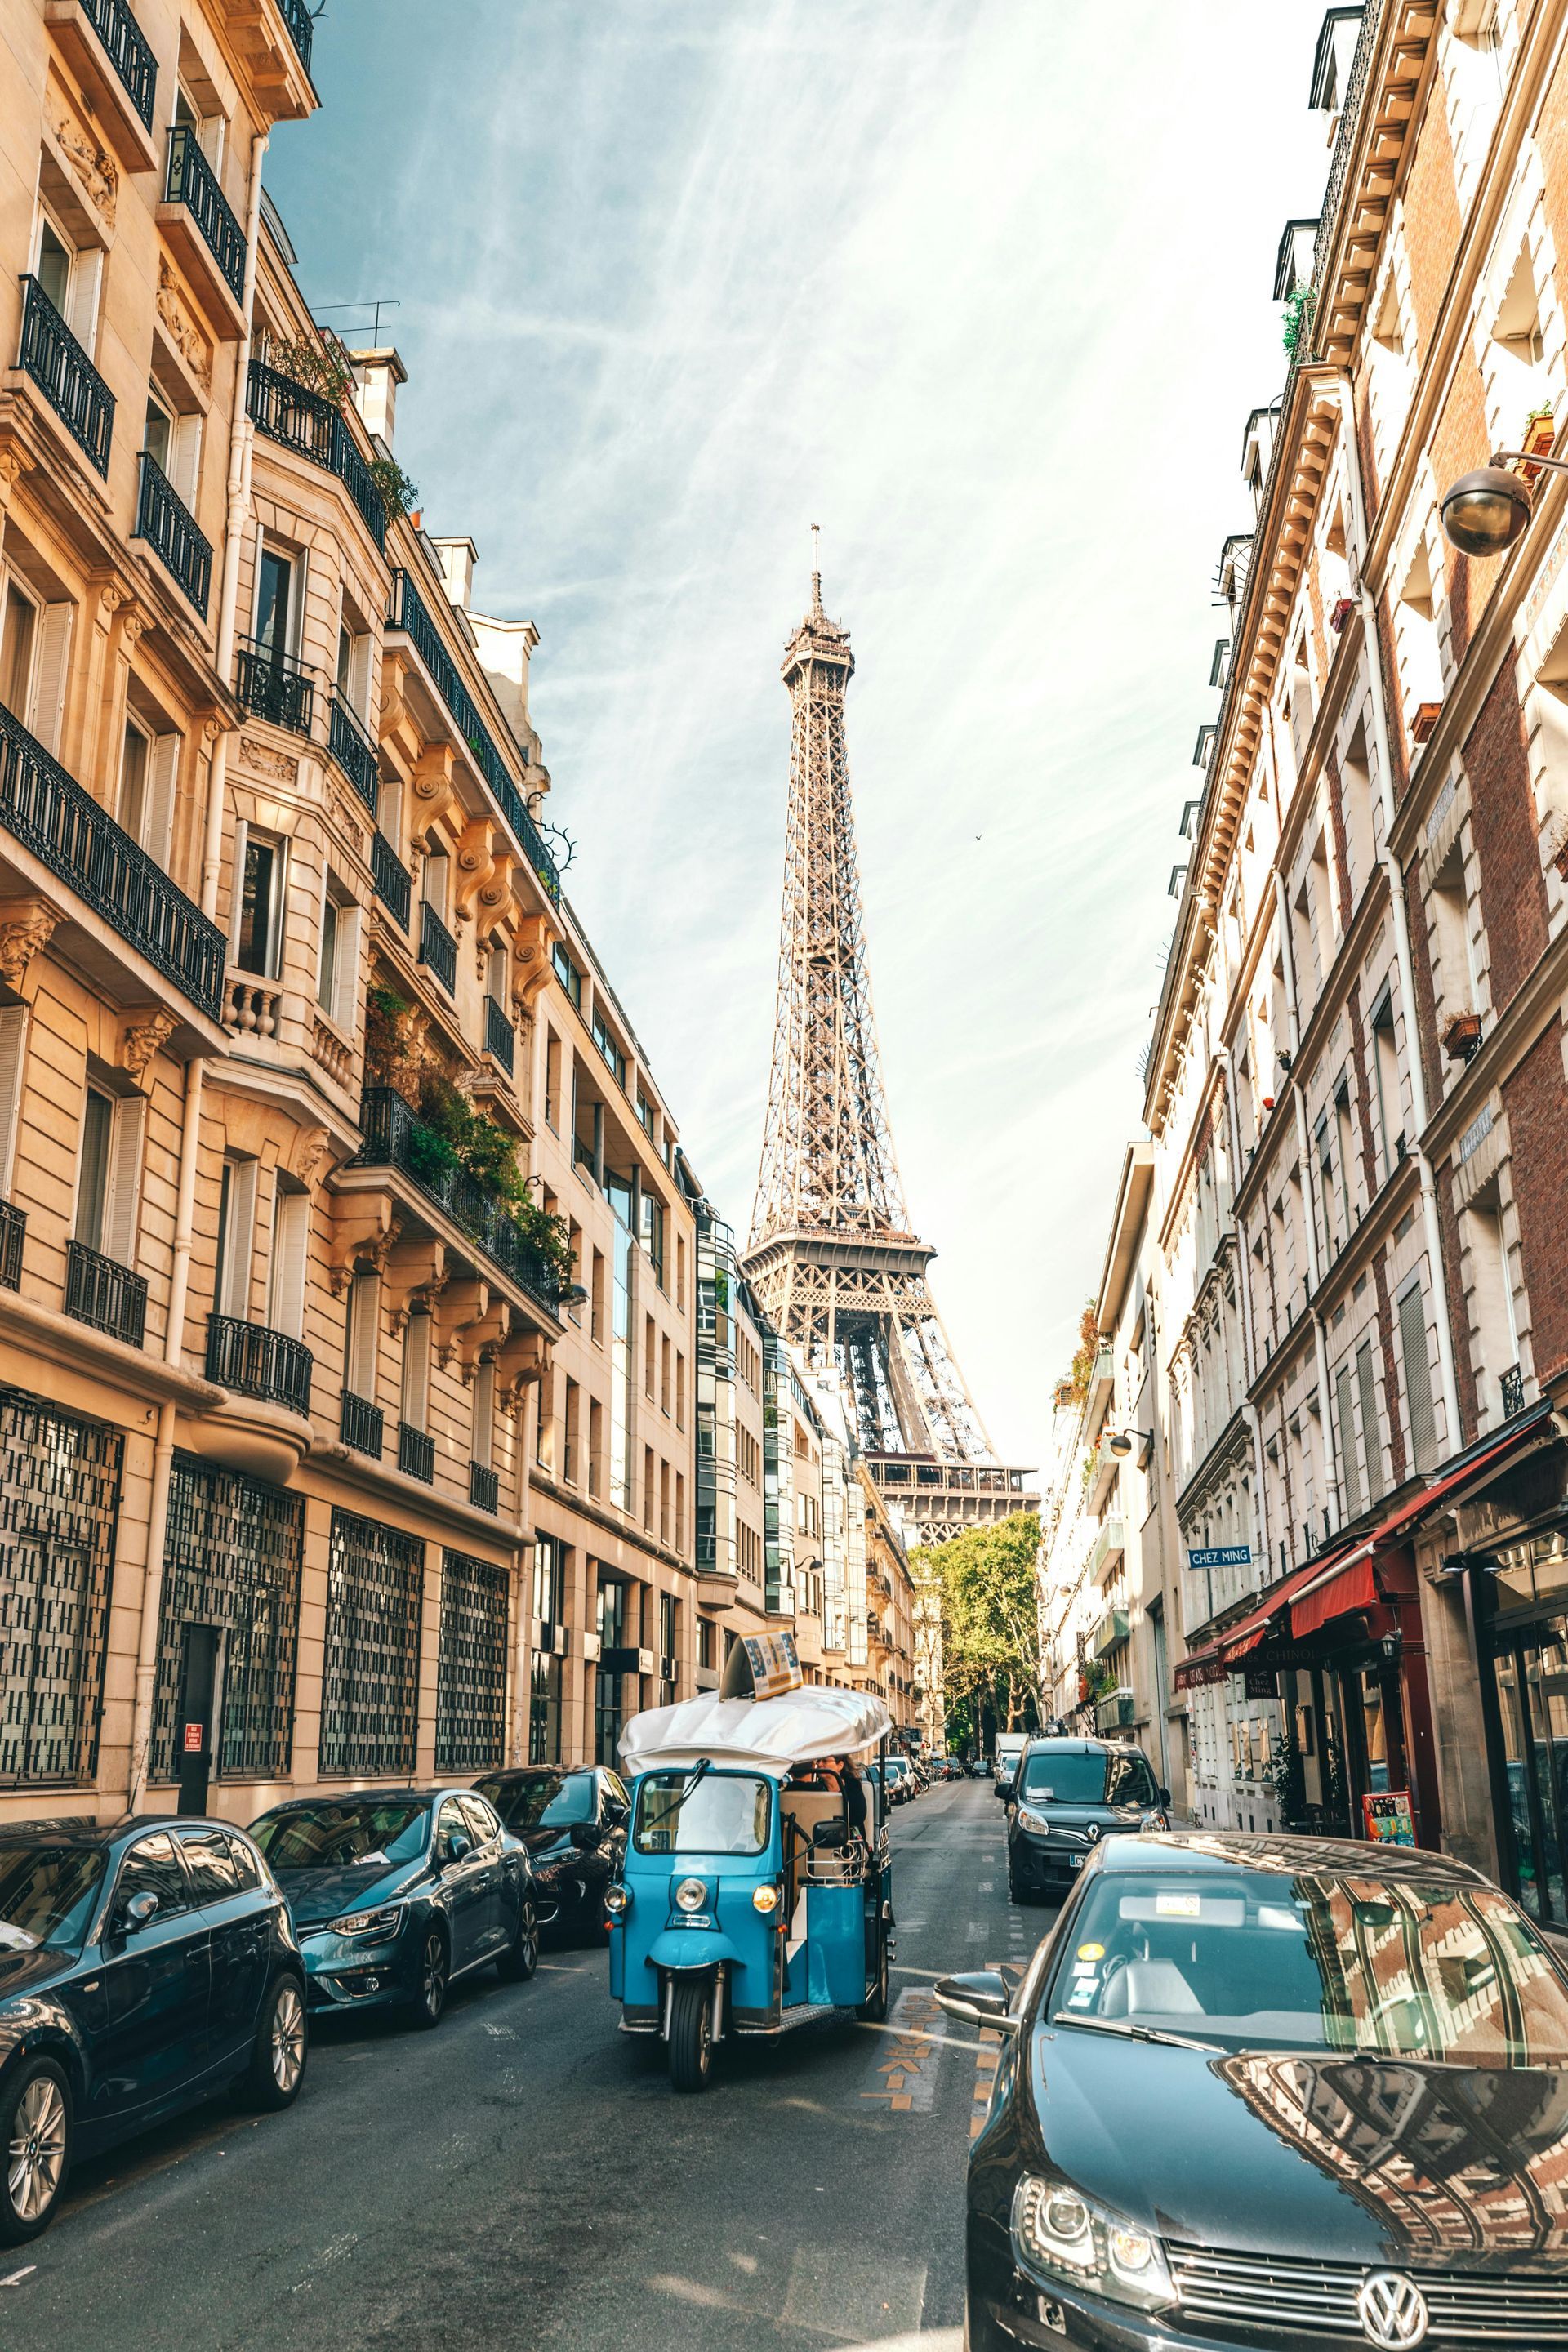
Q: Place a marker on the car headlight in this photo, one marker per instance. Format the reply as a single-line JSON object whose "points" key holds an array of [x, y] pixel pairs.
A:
{"points": [[383, 1923], [1030, 1820], [690, 1894], [617, 1901], [1065, 2235]]}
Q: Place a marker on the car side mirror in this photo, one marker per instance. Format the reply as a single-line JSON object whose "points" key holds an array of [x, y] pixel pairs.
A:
{"points": [[586, 1835], [139, 1910], [460, 1847], [980, 1998]]}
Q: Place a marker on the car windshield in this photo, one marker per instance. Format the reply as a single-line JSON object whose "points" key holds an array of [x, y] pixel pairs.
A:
{"points": [[46, 1893], [1064, 1776], [1252, 1959], [716, 1813], [337, 1836], [546, 1801]]}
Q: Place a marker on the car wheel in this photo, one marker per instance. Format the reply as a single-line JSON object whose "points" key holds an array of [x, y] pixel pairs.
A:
{"points": [[690, 2035], [429, 2003], [34, 2140], [277, 2067], [521, 1957]]}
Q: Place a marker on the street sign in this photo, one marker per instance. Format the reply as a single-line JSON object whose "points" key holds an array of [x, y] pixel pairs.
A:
{"points": [[1387, 1818], [1221, 1556]]}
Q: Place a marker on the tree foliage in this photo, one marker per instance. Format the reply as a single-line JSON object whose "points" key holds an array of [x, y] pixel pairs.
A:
{"points": [[990, 1644]]}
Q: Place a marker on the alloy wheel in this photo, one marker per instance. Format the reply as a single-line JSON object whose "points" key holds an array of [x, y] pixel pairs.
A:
{"points": [[38, 2150], [288, 2046]]}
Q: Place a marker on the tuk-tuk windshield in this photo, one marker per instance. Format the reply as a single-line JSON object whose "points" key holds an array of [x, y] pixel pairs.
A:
{"points": [[710, 1813]]}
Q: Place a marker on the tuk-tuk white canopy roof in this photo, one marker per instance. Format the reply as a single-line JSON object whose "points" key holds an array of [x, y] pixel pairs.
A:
{"points": [[761, 1735]]}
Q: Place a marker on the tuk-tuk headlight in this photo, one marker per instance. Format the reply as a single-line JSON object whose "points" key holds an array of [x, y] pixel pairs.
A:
{"points": [[617, 1901], [766, 1899], [690, 1894]]}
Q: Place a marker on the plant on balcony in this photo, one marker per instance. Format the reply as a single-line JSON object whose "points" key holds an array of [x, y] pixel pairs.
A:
{"points": [[1298, 318], [398, 494]]}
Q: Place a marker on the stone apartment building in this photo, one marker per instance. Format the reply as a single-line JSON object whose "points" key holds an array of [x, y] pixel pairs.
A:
{"points": [[1355, 1088]]}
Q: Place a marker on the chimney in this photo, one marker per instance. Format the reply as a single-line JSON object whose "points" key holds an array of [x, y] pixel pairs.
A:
{"points": [[378, 374], [456, 558]]}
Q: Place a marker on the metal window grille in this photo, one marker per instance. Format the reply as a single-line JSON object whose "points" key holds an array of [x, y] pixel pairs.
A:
{"points": [[369, 1687], [232, 1557], [471, 1674], [59, 1504]]}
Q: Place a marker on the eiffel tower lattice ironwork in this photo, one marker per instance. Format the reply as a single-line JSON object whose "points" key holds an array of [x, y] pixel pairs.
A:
{"points": [[837, 1265]]}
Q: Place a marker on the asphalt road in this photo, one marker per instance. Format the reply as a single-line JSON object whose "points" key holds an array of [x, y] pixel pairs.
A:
{"points": [[525, 2178]]}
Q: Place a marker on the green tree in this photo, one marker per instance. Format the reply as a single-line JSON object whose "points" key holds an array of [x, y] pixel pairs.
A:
{"points": [[990, 1641]]}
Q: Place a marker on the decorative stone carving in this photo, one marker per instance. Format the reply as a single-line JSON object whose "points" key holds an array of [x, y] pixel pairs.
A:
{"points": [[265, 762], [25, 925], [146, 1033], [181, 326], [95, 171]]}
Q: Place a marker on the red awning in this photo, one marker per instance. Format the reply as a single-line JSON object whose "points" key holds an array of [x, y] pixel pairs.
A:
{"points": [[1351, 1585]]}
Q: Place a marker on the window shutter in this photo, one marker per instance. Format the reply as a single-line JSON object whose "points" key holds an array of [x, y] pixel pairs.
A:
{"points": [[124, 1209], [13, 1053], [1346, 1413], [1366, 1382], [158, 817], [49, 669], [1418, 1379], [290, 1248]]}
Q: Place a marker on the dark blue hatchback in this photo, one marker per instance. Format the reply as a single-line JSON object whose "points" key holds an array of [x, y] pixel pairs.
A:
{"points": [[396, 1892], [144, 1965]]}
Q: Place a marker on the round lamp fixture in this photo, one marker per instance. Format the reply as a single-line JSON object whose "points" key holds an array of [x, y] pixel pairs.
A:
{"points": [[1486, 511]]}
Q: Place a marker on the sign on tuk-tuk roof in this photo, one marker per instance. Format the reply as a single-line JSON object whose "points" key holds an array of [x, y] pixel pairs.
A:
{"points": [[758, 1734]]}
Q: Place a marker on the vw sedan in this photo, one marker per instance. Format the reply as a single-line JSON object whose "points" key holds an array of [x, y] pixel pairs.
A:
{"points": [[144, 1966], [1271, 2091], [397, 1893]]}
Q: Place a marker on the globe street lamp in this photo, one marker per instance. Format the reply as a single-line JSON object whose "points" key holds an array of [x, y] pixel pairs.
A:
{"points": [[1486, 511]]}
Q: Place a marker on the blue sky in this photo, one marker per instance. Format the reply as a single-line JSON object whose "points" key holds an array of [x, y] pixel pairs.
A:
{"points": [[983, 288]]}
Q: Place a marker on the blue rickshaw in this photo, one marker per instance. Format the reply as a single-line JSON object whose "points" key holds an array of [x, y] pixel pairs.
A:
{"points": [[750, 1901]]}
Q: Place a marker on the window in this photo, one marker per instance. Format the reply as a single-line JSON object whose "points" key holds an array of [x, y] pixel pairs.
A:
{"points": [[567, 973], [236, 1235], [414, 1405], [109, 1176], [290, 1257], [261, 864], [615, 1061]]}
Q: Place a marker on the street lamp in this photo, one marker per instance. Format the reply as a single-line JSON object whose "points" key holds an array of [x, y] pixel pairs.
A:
{"points": [[1486, 511]]}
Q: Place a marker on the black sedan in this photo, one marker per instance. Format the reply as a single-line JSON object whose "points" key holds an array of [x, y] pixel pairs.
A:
{"points": [[1068, 1794], [397, 1893], [574, 1824], [144, 1966], [1256, 2090]]}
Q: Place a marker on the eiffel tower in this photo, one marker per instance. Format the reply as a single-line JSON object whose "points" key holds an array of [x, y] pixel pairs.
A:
{"points": [[836, 1265]]}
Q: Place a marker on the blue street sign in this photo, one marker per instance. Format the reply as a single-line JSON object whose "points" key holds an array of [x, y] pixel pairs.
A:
{"points": [[1222, 1556]]}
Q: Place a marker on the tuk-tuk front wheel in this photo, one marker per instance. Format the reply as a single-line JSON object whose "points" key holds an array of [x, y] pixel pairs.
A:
{"points": [[691, 2032]]}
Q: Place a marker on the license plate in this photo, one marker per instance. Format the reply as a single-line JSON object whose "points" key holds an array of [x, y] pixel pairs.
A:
{"points": [[1076, 1860]]}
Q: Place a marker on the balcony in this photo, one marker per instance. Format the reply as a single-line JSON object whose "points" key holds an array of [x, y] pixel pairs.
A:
{"points": [[408, 613], [500, 1037], [109, 1298], [274, 687], [52, 357], [393, 884], [13, 1232], [313, 427], [1111, 1629], [1109, 1547], [50, 813], [484, 1488], [167, 524], [118, 71], [363, 1426], [1115, 1711], [396, 1137], [353, 749], [257, 1362], [195, 218], [437, 948], [416, 1452]]}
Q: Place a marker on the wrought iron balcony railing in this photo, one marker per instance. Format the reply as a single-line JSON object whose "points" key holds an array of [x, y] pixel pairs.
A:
{"points": [[363, 1426], [1513, 1386], [48, 812], [396, 1137], [353, 749], [275, 687], [416, 1452], [58, 365], [313, 427], [110, 1296], [437, 948], [167, 524], [129, 51], [301, 27], [484, 1488], [500, 1037], [13, 1231], [407, 613], [192, 182], [258, 1362], [393, 884]]}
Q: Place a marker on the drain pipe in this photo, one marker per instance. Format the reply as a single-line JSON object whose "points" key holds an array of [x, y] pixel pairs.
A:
{"points": [[239, 498]]}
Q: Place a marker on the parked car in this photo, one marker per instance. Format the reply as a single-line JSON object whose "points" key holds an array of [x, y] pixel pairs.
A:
{"points": [[1068, 1795], [574, 1824], [1268, 2090], [144, 1966], [397, 1893]]}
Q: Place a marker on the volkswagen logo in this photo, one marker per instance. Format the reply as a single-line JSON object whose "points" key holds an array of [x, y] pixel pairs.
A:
{"points": [[1394, 2314]]}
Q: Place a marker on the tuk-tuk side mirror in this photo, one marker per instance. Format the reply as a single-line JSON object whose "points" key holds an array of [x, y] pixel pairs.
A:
{"points": [[980, 1998]]}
